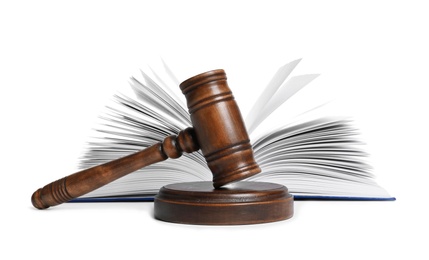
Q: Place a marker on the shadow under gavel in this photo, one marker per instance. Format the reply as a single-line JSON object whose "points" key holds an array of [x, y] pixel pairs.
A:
{"points": [[218, 130]]}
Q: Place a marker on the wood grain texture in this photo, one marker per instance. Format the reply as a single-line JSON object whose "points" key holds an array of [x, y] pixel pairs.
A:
{"points": [[235, 204], [85, 181], [218, 129]]}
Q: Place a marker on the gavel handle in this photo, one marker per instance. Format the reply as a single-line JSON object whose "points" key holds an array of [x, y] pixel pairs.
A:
{"points": [[80, 183]]}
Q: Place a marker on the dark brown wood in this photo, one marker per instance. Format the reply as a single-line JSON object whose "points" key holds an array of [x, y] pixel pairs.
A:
{"points": [[219, 127], [218, 130], [85, 181], [235, 204]]}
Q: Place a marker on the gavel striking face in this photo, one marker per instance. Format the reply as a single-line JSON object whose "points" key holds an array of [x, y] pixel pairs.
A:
{"points": [[218, 130]]}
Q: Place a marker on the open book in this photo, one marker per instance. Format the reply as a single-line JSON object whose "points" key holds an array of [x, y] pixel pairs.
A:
{"points": [[316, 159]]}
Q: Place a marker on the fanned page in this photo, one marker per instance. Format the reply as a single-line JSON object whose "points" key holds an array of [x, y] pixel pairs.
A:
{"points": [[279, 77], [318, 158]]}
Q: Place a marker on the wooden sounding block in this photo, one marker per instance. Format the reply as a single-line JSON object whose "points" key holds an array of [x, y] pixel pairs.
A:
{"points": [[219, 131], [234, 204]]}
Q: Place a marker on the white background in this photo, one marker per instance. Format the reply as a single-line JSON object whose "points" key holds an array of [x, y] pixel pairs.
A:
{"points": [[60, 62]]}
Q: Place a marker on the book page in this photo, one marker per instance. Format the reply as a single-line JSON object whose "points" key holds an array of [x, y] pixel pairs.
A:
{"points": [[269, 91]]}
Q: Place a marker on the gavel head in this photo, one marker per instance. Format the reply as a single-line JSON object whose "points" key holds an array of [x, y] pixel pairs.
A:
{"points": [[219, 127]]}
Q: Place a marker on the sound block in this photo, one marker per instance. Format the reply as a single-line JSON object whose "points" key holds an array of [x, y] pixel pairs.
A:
{"points": [[234, 204]]}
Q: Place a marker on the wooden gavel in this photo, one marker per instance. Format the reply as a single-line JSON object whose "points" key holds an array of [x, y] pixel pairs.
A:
{"points": [[218, 130]]}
